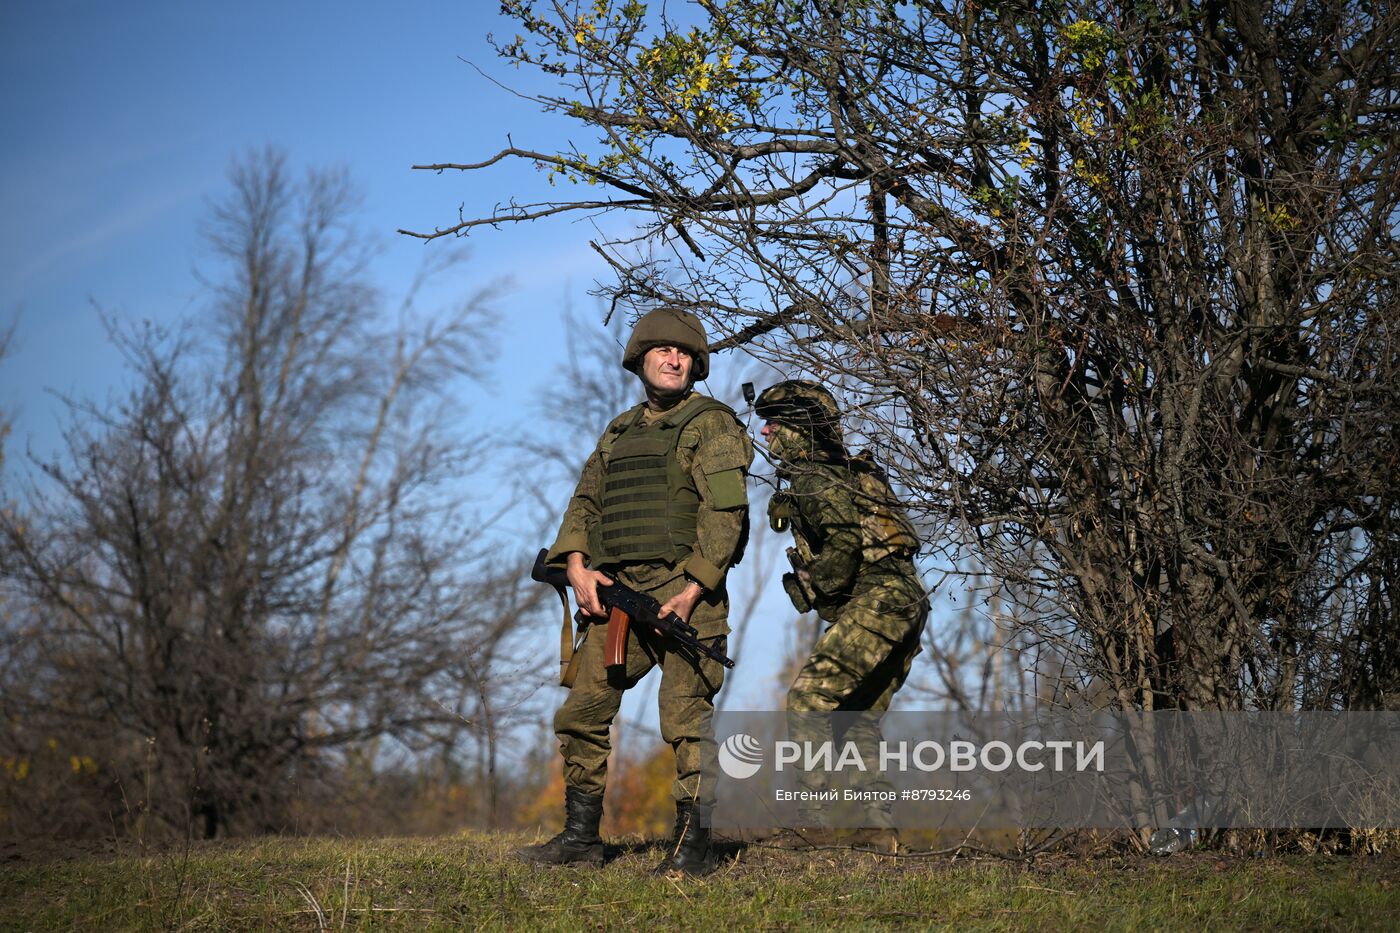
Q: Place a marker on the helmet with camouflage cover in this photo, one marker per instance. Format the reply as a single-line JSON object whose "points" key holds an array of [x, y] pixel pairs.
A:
{"points": [[669, 327], [801, 404], [807, 409]]}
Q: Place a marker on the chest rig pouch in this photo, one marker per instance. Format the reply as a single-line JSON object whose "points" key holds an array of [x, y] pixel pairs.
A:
{"points": [[885, 529], [649, 504]]}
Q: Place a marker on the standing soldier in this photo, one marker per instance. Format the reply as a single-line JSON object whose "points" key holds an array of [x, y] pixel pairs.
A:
{"points": [[853, 563], [662, 507]]}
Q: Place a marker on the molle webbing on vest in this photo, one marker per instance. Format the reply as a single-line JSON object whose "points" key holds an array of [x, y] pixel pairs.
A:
{"points": [[649, 505], [636, 510]]}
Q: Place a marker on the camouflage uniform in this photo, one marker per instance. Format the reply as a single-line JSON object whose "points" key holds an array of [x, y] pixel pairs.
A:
{"points": [[715, 452], [875, 608], [856, 547]]}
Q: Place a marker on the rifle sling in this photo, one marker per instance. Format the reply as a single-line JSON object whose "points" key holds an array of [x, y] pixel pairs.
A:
{"points": [[567, 667], [571, 669]]}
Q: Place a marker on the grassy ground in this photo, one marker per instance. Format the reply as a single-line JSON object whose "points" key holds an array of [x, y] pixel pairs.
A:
{"points": [[470, 881]]}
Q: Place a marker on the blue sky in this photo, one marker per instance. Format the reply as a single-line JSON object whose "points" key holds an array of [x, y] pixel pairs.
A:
{"points": [[120, 122]]}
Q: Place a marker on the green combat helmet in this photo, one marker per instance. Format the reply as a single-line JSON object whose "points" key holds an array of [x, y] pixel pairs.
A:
{"points": [[669, 327], [805, 406]]}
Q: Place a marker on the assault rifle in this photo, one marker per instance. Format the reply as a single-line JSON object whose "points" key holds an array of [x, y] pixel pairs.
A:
{"points": [[625, 605]]}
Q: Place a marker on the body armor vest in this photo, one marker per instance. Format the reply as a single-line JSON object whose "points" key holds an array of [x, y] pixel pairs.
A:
{"points": [[649, 504]]}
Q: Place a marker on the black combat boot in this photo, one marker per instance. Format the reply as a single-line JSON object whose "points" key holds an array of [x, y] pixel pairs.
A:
{"points": [[688, 849], [579, 842]]}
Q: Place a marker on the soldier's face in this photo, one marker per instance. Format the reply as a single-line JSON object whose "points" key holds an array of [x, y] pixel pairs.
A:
{"points": [[667, 368], [784, 441]]}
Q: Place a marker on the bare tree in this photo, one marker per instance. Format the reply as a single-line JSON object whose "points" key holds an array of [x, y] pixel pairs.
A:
{"points": [[257, 560], [1112, 284]]}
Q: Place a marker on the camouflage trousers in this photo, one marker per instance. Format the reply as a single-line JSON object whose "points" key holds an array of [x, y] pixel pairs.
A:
{"points": [[686, 699], [857, 666]]}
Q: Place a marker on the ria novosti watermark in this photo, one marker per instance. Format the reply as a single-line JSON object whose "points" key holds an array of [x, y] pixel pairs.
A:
{"points": [[741, 756], [1066, 769]]}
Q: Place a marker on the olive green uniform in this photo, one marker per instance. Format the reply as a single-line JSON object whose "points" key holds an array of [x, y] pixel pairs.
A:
{"points": [[711, 458]]}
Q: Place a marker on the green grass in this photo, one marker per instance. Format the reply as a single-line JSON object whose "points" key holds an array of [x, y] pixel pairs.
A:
{"points": [[470, 881]]}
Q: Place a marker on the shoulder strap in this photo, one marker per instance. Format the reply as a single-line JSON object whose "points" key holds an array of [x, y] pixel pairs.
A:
{"points": [[865, 462], [619, 425], [691, 411]]}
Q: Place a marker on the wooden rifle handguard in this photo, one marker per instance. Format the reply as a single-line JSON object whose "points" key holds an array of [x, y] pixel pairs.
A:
{"points": [[617, 637]]}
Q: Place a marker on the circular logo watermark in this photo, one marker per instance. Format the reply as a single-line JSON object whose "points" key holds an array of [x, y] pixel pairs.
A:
{"points": [[740, 756]]}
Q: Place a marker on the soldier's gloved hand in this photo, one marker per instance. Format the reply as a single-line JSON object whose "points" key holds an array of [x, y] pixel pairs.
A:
{"points": [[780, 512], [796, 592]]}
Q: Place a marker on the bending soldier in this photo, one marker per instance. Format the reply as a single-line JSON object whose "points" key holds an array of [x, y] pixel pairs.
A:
{"points": [[661, 506], [853, 564]]}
